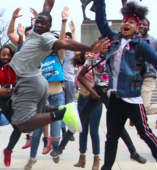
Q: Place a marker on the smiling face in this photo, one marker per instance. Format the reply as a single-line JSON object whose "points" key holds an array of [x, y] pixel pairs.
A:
{"points": [[42, 24], [128, 28], [87, 55], [5, 55], [143, 27]]}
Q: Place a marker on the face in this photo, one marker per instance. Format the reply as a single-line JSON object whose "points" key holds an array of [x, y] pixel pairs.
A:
{"points": [[5, 55], [42, 24], [128, 28], [87, 55], [67, 37], [143, 27], [26, 34]]}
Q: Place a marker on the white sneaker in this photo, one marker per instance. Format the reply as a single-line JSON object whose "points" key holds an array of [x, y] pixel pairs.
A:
{"points": [[30, 163]]}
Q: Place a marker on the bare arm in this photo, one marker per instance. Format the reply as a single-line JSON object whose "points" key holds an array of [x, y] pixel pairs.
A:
{"points": [[76, 46], [13, 38], [72, 28], [81, 79], [65, 14], [48, 5], [20, 31]]}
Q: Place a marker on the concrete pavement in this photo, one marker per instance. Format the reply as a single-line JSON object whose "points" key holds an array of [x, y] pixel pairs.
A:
{"points": [[71, 154]]}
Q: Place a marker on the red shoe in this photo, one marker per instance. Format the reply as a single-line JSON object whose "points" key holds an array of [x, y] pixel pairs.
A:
{"points": [[7, 157], [47, 145], [28, 143]]}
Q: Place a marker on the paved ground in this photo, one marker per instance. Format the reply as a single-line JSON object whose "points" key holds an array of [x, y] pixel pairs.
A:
{"points": [[71, 154]]}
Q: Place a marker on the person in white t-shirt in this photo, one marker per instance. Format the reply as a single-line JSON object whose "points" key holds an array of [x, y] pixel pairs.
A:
{"points": [[31, 90]]}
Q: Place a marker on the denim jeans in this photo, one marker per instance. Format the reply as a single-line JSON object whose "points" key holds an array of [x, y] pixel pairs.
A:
{"points": [[87, 109], [55, 100], [93, 121]]}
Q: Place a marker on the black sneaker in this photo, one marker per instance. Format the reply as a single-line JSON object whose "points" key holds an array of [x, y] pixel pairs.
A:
{"points": [[72, 138], [138, 158], [56, 153]]}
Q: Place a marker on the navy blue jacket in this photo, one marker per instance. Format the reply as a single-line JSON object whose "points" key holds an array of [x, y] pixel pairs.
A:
{"points": [[130, 79]]}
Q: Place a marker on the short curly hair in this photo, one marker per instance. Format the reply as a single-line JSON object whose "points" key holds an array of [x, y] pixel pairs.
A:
{"points": [[133, 7]]}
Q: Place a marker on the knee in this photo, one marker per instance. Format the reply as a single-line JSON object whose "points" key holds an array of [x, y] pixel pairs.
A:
{"points": [[23, 128], [55, 139]]}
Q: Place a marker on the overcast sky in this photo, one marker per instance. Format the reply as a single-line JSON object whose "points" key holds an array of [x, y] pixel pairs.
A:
{"points": [[113, 12]]}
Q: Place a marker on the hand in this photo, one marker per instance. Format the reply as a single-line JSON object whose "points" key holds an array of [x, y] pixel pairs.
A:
{"points": [[101, 46], [4, 93], [16, 13], [34, 12], [94, 95], [20, 30], [72, 26], [65, 13]]}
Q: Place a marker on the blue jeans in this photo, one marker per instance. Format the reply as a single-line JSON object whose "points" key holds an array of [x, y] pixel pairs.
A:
{"points": [[55, 100], [93, 121]]}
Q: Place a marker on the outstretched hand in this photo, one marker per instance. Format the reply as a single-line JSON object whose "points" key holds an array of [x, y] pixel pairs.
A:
{"points": [[20, 30], [16, 13], [72, 26], [100, 46], [65, 13], [34, 12]]}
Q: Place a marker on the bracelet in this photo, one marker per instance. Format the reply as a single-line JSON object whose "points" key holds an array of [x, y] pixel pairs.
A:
{"points": [[102, 55], [64, 20]]}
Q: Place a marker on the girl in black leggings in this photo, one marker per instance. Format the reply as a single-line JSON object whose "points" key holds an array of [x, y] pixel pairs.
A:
{"points": [[97, 95], [7, 77]]}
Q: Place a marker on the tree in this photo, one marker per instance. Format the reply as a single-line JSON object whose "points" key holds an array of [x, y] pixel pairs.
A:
{"points": [[3, 29]]}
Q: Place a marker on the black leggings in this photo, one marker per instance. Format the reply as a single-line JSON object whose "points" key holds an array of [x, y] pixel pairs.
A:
{"points": [[87, 109], [16, 133]]}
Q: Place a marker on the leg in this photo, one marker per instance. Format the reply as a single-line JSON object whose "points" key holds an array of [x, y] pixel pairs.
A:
{"points": [[35, 142], [16, 133], [137, 115], [94, 121], [47, 141], [46, 131], [69, 91], [34, 147], [13, 138], [147, 89], [56, 100], [87, 109], [83, 137], [115, 125], [127, 140], [32, 92], [84, 134], [69, 97]]}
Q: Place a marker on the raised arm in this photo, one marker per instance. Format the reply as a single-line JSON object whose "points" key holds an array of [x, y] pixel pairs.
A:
{"points": [[48, 5], [12, 36], [101, 19], [72, 28], [65, 14]]}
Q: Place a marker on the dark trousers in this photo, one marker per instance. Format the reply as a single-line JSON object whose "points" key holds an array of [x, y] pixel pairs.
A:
{"points": [[117, 113], [87, 109], [16, 133]]}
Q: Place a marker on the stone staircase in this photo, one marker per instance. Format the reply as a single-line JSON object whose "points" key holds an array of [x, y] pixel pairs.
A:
{"points": [[154, 96]]}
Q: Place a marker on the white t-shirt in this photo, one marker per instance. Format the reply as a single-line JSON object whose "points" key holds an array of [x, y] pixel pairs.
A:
{"points": [[115, 63], [27, 61]]}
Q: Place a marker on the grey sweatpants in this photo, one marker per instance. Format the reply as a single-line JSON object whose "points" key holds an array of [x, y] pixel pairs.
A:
{"points": [[31, 95]]}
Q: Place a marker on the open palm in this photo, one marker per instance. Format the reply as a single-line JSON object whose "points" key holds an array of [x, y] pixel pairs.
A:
{"points": [[65, 12]]}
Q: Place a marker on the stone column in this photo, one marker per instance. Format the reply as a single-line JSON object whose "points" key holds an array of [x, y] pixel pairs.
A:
{"points": [[90, 31]]}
